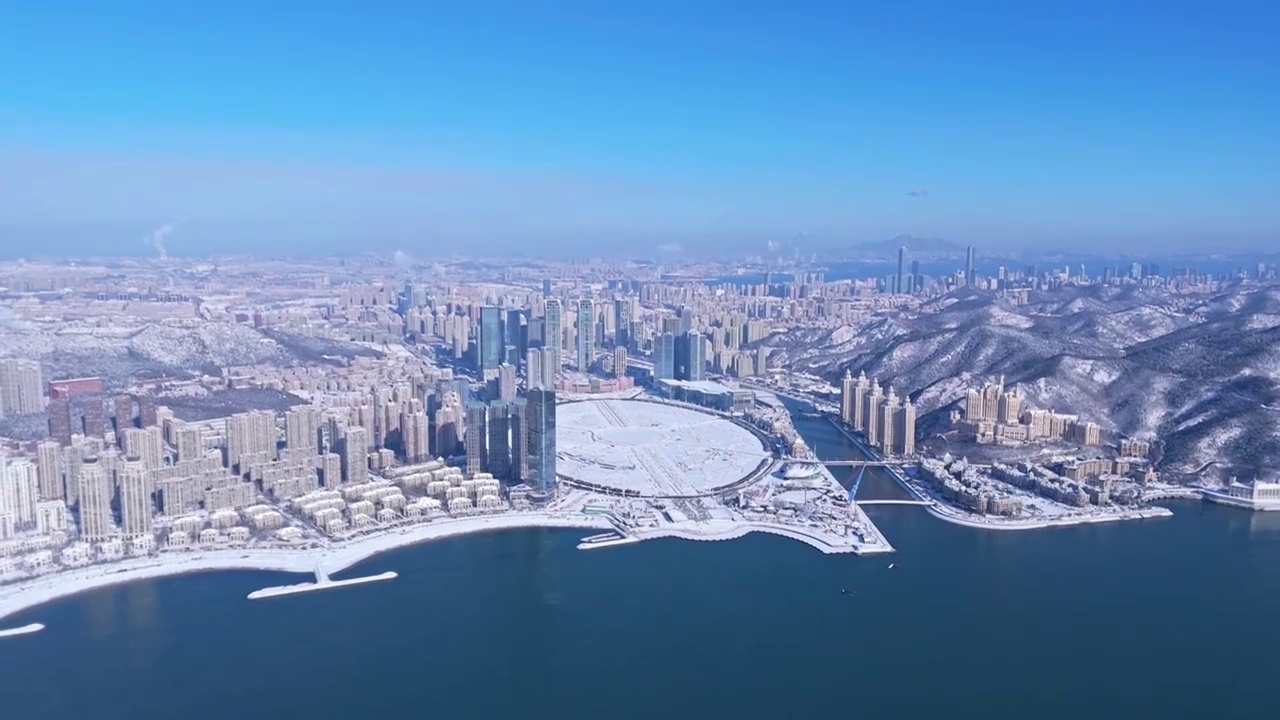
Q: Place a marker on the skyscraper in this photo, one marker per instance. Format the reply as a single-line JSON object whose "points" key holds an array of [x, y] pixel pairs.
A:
{"points": [[489, 347], [60, 421], [19, 493], [519, 419], [904, 286], [540, 416], [506, 382], [619, 361], [95, 423], [146, 411], [553, 334], [355, 455], [692, 362], [302, 430], [474, 437], [970, 258], [586, 334], [122, 414], [622, 322], [251, 434], [847, 386], [514, 332], [95, 501], [49, 469], [135, 498], [21, 391], [497, 433], [533, 367], [664, 357], [550, 366]]}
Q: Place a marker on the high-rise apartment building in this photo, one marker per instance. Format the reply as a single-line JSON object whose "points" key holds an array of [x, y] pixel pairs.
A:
{"points": [[302, 430], [145, 445], [96, 523], [136, 507], [60, 421], [540, 416], [19, 494], [506, 382], [94, 419], [474, 437], [497, 455], [533, 367], [190, 443], [21, 387], [871, 414], [906, 431], [586, 334], [250, 435], [122, 414], [619, 361], [355, 455], [414, 432], [550, 366], [686, 319], [49, 469], [147, 411]]}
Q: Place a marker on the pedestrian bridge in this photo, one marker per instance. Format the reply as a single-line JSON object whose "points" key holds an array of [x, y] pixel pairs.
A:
{"points": [[894, 502]]}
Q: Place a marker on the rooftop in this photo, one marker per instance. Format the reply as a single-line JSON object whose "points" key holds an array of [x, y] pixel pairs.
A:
{"points": [[651, 448]]}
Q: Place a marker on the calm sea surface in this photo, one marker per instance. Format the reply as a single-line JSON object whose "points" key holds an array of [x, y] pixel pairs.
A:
{"points": [[1161, 618]]}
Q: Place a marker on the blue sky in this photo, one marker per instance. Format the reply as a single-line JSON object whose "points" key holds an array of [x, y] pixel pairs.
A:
{"points": [[560, 126]]}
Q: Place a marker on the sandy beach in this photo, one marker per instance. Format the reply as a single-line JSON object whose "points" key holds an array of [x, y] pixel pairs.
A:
{"points": [[16, 597]]}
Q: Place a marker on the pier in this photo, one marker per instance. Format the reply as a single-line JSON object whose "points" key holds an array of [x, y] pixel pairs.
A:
{"points": [[24, 630], [322, 583]]}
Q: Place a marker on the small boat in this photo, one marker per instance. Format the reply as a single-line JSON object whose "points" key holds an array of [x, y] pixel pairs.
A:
{"points": [[891, 566]]}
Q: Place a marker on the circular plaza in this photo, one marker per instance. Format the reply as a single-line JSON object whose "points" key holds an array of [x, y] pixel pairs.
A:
{"points": [[641, 448]]}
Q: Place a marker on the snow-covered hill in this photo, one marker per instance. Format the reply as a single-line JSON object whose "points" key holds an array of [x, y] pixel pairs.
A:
{"points": [[1199, 373]]}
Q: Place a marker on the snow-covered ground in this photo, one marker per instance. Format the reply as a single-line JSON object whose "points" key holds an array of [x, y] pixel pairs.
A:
{"points": [[652, 448], [37, 591]]}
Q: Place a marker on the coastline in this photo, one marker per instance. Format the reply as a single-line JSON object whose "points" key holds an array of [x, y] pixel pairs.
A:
{"points": [[947, 513], [732, 530], [27, 594]]}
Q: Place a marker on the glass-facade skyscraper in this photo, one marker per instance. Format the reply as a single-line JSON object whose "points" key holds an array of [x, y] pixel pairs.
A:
{"points": [[540, 416], [694, 362], [586, 334], [903, 287], [489, 348], [664, 356], [553, 332]]}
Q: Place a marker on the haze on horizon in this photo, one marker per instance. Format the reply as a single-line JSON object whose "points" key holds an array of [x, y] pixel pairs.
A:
{"points": [[336, 126]]}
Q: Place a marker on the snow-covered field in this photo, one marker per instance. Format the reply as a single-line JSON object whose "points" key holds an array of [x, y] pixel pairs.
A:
{"points": [[651, 448]]}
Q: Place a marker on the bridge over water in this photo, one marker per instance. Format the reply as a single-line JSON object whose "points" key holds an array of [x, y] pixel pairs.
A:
{"points": [[894, 502], [862, 463]]}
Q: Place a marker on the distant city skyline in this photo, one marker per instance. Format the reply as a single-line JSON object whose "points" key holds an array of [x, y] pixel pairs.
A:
{"points": [[595, 128]]}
